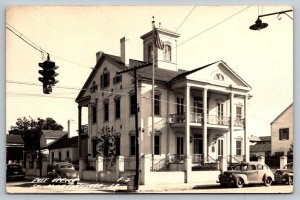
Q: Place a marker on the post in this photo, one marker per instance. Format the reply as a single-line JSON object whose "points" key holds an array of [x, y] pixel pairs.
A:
{"points": [[205, 124], [119, 166], [99, 167], [231, 125], [283, 161], [79, 131], [137, 151], [261, 159]]}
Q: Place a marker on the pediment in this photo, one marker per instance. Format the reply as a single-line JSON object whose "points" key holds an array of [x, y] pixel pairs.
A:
{"points": [[218, 74]]}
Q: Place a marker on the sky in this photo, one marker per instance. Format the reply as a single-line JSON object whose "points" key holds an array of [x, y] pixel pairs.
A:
{"points": [[73, 34]]}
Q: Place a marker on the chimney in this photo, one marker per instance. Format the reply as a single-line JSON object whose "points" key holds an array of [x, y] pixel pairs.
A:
{"points": [[124, 51]]}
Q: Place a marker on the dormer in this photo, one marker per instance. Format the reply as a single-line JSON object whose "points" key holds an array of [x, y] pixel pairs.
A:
{"points": [[165, 58]]}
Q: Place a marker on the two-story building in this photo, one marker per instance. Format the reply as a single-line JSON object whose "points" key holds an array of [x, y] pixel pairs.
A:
{"points": [[282, 130], [199, 114]]}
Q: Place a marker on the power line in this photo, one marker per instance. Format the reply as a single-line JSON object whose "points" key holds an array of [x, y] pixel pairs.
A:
{"points": [[186, 18]]}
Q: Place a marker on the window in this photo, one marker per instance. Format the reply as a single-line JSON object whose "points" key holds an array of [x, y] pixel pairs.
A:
{"points": [[180, 106], [106, 110], [284, 134], [105, 78], [198, 105], [59, 156], [220, 148], [94, 113], [150, 53], [118, 108], [238, 147], [68, 154], [219, 77], [179, 145], [117, 79], [220, 112], [167, 53], [132, 145], [118, 145], [238, 113], [132, 104], [157, 104], [157, 145]]}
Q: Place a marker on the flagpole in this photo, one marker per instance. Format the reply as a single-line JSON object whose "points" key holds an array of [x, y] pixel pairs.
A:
{"points": [[153, 65]]}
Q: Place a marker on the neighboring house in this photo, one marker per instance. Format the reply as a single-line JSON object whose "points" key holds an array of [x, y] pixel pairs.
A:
{"points": [[14, 148], [199, 113], [261, 146], [64, 149], [282, 130]]}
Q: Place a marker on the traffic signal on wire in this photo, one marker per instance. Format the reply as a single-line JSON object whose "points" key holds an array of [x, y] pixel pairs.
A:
{"points": [[48, 75]]}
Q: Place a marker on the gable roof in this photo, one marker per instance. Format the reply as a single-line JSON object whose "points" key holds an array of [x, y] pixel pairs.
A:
{"points": [[54, 133], [261, 147], [282, 113], [64, 142], [14, 139]]}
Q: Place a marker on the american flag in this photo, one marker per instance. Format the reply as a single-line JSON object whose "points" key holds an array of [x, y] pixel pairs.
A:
{"points": [[158, 42]]}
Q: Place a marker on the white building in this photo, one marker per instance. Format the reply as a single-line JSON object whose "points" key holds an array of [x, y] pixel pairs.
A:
{"points": [[200, 115]]}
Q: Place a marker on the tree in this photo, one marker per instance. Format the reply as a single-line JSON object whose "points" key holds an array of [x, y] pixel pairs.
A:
{"points": [[31, 131], [106, 145]]}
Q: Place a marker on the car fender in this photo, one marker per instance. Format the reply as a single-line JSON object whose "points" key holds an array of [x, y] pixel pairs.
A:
{"points": [[242, 176], [269, 175]]}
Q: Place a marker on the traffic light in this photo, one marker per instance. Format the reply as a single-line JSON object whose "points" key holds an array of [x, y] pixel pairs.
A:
{"points": [[48, 74]]}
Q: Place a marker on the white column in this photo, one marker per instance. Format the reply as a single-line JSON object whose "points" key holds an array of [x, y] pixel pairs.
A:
{"points": [[205, 124], [187, 120], [283, 161], [246, 140], [188, 160], [231, 125]]}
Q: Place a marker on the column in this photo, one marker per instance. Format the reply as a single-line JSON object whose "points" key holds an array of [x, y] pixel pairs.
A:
{"points": [[146, 165], [205, 156], [187, 121], [246, 143], [99, 167], [283, 161], [79, 131], [188, 159], [119, 166], [231, 126]]}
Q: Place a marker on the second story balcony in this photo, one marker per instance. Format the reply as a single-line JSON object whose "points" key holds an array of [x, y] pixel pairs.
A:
{"points": [[197, 118]]}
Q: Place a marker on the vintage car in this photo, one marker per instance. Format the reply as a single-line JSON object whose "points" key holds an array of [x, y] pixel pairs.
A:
{"points": [[14, 171], [285, 175], [62, 173], [247, 173]]}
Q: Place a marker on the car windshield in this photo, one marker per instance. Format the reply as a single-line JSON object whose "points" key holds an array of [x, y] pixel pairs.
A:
{"points": [[66, 166], [244, 167], [14, 167], [288, 166]]}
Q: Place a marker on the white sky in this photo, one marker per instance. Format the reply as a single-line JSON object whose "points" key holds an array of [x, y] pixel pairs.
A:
{"points": [[264, 59]]}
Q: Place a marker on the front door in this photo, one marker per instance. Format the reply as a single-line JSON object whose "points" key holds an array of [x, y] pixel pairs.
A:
{"points": [[179, 145], [198, 144]]}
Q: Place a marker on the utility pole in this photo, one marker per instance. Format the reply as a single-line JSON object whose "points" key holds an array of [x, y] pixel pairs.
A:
{"points": [[137, 150]]}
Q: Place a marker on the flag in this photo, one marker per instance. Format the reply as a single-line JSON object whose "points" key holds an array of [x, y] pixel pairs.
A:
{"points": [[158, 43]]}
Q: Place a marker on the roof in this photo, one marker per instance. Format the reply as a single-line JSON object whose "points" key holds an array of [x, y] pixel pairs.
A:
{"points": [[64, 142], [14, 139], [282, 113], [260, 139], [261, 147], [54, 133]]}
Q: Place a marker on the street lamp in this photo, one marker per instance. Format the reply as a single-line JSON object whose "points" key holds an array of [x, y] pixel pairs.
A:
{"points": [[261, 25]]}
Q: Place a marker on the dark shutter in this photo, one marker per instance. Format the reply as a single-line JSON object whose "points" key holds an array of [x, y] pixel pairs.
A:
{"points": [[280, 134]]}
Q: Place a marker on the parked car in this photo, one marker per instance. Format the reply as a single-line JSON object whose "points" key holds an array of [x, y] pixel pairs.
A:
{"points": [[285, 175], [14, 171], [62, 172], [247, 173]]}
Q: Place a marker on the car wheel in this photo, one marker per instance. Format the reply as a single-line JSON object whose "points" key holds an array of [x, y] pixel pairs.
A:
{"points": [[75, 182], [239, 183], [268, 181], [290, 180]]}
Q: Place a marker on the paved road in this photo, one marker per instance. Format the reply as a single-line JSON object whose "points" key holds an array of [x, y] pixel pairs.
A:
{"points": [[85, 187]]}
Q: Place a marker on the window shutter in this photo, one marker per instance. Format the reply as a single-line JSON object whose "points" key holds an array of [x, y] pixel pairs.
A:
{"points": [[280, 134], [287, 134], [101, 81]]}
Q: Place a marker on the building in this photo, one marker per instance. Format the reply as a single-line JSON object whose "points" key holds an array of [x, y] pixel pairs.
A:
{"points": [[261, 146], [282, 129], [64, 149], [199, 115], [14, 148]]}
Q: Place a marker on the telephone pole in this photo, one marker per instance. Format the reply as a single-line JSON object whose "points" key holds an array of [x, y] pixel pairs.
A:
{"points": [[137, 150]]}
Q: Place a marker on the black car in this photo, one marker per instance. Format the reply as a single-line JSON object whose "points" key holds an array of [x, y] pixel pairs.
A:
{"points": [[285, 175], [14, 172], [62, 172]]}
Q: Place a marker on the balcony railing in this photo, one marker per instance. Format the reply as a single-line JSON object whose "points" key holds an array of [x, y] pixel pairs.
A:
{"points": [[211, 119], [218, 120]]}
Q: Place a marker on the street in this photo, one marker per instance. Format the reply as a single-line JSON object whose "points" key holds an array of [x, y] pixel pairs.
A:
{"points": [[86, 187]]}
